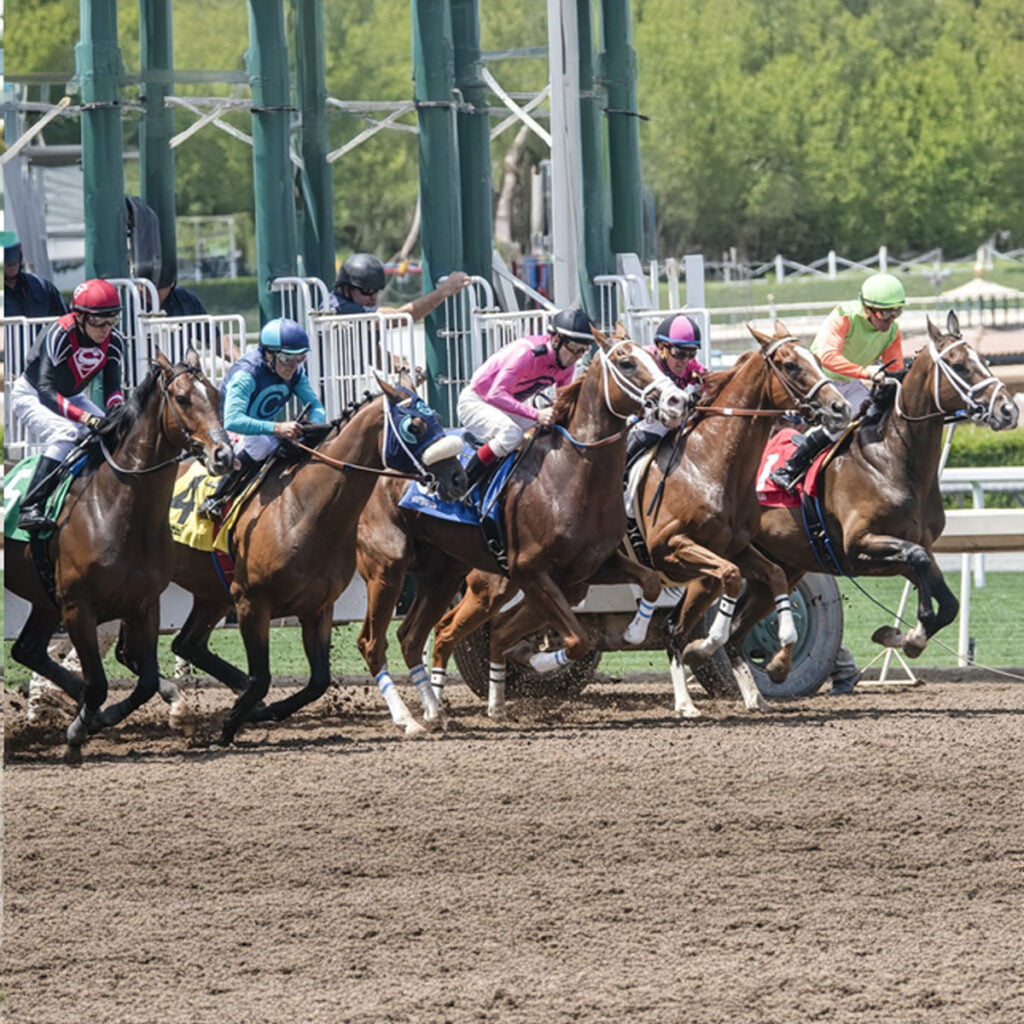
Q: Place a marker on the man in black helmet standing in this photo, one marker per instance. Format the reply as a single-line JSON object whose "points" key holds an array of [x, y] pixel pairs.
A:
{"points": [[361, 279]]}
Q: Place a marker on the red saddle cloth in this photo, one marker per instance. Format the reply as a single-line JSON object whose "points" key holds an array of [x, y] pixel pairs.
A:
{"points": [[776, 453]]}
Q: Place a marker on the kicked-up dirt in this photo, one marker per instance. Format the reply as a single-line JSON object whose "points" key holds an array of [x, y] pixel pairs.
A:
{"points": [[845, 859]]}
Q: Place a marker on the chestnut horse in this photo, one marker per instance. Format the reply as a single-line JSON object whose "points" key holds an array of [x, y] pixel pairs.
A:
{"points": [[111, 550], [564, 519], [696, 504], [294, 546], [882, 503]]}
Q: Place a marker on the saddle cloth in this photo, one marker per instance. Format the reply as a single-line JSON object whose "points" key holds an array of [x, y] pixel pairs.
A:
{"points": [[776, 453], [16, 485]]}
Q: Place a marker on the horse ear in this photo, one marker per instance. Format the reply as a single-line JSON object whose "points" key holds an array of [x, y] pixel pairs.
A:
{"points": [[759, 336], [619, 333], [953, 325], [161, 360], [390, 390], [599, 336], [933, 332], [192, 358], [781, 330]]}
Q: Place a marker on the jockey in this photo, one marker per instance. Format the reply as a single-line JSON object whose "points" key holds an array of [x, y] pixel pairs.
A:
{"points": [[50, 398], [857, 342], [492, 406], [254, 390], [676, 343]]}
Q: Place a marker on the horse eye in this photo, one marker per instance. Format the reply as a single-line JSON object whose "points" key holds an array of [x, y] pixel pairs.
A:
{"points": [[184, 401], [417, 427], [629, 363]]}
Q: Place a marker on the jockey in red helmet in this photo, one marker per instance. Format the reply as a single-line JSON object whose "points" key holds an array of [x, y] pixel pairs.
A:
{"points": [[50, 398]]}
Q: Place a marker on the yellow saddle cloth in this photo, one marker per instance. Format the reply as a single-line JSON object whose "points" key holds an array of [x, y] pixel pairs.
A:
{"points": [[188, 527]]}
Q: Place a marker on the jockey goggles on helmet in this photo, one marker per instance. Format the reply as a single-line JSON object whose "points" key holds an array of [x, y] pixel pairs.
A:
{"points": [[884, 294], [573, 328], [98, 300]]}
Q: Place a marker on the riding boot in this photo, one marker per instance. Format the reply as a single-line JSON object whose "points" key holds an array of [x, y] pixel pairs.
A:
{"points": [[639, 441], [807, 447], [476, 470], [229, 486], [33, 509]]}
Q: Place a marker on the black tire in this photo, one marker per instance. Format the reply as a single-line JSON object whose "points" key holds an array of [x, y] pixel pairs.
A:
{"points": [[818, 611], [471, 659]]}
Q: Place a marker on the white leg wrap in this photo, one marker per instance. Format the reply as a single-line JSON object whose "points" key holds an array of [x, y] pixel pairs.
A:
{"points": [[548, 661], [636, 631], [496, 690], [787, 627], [438, 678], [431, 707], [719, 631], [399, 712], [684, 702]]}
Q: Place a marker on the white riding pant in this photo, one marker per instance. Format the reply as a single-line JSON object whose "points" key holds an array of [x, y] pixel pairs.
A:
{"points": [[44, 426], [501, 430], [257, 446]]}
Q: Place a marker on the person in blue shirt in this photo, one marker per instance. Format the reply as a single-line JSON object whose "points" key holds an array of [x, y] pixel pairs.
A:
{"points": [[27, 294], [255, 389]]}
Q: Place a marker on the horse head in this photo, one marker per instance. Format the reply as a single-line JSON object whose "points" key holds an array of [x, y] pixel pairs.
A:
{"points": [[960, 382], [190, 413], [415, 442], [796, 378], [633, 381]]}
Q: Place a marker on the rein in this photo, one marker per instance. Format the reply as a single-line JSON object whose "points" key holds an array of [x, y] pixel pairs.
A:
{"points": [[583, 446], [339, 464]]}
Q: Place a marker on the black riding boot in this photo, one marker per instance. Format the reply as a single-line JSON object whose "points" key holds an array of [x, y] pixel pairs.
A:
{"points": [[33, 509], [476, 470], [808, 445], [639, 440], [229, 486]]}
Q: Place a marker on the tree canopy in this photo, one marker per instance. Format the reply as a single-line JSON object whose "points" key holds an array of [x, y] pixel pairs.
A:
{"points": [[774, 125]]}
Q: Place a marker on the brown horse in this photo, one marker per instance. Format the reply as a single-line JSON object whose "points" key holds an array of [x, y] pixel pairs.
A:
{"points": [[111, 550], [294, 546], [563, 515], [882, 503], [696, 505]]}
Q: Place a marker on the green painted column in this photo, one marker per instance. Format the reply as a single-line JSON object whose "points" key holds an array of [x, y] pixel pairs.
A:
{"points": [[317, 192], [440, 206], [623, 128], [596, 184], [273, 179], [474, 140], [98, 64], [156, 56]]}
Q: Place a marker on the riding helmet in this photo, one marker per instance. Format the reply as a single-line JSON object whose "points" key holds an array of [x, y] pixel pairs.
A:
{"points": [[678, 329], [882, 291], [364, 271], [283, 335], [97, 297], [573, 324]]}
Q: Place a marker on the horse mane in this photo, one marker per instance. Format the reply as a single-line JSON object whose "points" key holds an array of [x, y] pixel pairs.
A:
{"points": [[715, 381], [566, 400], [120, 420]]}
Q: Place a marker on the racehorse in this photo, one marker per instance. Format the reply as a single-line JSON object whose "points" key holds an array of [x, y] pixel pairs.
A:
{"points": [[563, 516], [111, 552], [696, 507], [294, 545], [882, 505]]}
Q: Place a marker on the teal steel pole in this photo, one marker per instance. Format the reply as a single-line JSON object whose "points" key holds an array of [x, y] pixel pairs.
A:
{"points": [[596, 181], [156, 55], [98, 63], [474, 131], [623, 129], [440, 206], [273, 181], [317, 193]]}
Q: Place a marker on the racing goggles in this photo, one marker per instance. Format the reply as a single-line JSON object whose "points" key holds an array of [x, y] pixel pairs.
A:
{"points": [[101, 321], [884, 314], [291, 358]]}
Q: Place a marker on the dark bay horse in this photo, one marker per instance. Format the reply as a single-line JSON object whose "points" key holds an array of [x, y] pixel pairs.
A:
{"points": [[564, 520], [882, 502], [294, 546], [111, 550], [696, 502]]}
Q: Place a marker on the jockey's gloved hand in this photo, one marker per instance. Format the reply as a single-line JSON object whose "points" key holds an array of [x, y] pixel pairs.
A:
{"points": [[93, 422], [878, 375]]}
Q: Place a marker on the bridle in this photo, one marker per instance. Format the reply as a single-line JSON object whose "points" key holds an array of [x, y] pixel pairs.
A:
{"points": [[978, 412], [646, 397], [191, 448]]}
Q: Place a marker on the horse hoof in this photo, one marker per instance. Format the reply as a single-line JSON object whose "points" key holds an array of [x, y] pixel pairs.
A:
{"points": [[73, 755], [437, 723], [688, 713], [497, 714], [181, 718], [698, 650], [888, 636], [411, 728]]}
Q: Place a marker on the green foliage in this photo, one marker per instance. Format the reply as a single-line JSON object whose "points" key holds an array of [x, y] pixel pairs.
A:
{"points": [[979, 446]]}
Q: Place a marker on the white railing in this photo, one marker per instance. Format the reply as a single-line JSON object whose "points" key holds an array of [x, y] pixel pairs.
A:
{"points": [[219, 341], [19, 334], [301, 296]]}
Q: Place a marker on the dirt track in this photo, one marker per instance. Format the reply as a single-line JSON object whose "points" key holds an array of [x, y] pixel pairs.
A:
{"points": [[847, 859]]}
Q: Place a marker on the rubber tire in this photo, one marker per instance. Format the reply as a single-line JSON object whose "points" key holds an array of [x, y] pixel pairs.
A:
{"points": [[472, 658]]}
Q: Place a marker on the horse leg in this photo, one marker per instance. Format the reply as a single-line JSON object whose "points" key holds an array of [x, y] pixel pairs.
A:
{"points": [[434, 591], [622, 569], [137, 649], [679, 674], [193, 639], [316, 640], [31, 650], [254, 626], [383, 586], [81, 626]]}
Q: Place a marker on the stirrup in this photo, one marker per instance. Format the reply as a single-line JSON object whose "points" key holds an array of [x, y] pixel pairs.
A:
{"points": [[34, 517], [784, 479]]}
